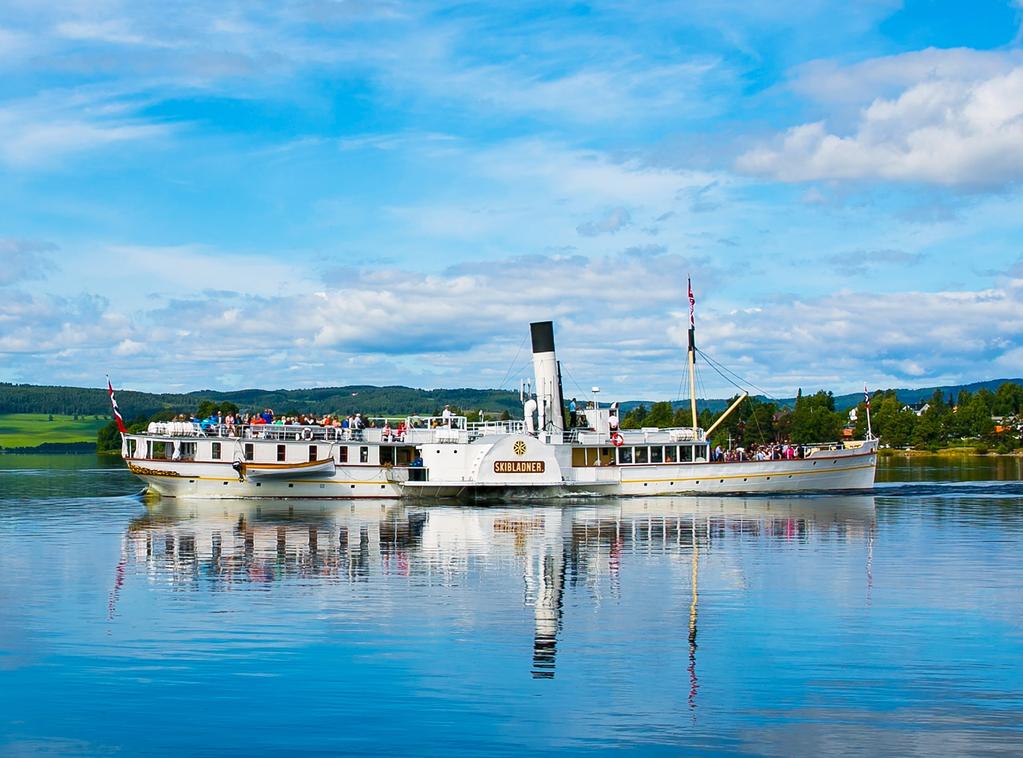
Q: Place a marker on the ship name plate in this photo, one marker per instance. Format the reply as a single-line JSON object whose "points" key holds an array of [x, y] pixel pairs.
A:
{"points": [[518, 467]]}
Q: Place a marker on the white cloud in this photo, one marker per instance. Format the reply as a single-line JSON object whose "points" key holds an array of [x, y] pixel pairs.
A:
{"points": [[620, 324], [950, 126], [609, 223], [24, 259], [53, 125]]}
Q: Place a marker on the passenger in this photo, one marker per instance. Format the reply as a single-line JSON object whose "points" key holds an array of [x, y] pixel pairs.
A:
{"points": [[572, 413], [386, 433], [401, 431], [447, 416], [417, 462]]}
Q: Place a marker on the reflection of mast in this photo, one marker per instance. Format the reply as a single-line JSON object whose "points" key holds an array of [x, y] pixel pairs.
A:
{"points": [[693, 685], [547, 611]]}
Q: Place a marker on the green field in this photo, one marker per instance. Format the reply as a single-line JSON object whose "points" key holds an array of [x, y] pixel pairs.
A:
{"points": [[32, 429]]}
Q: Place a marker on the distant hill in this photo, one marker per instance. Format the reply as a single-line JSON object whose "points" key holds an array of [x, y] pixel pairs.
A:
{"points": [[70, 401]]}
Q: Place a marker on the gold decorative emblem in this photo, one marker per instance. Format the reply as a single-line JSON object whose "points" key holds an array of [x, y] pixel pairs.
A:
{"points": [[150, 471], [519, 448]]}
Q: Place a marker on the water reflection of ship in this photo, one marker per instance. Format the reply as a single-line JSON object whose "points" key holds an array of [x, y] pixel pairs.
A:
{"points": [[216, 544]]}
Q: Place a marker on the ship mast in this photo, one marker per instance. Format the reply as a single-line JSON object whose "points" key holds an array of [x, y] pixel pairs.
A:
{"points": [[692, 356]]}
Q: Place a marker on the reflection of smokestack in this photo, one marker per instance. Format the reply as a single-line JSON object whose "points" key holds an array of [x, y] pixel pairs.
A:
{"points": [[548, 377], [547, 614]]}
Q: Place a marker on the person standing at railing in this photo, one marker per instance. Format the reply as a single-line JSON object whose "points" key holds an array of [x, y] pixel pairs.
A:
{"points": [[572, 413], [447, 416]]}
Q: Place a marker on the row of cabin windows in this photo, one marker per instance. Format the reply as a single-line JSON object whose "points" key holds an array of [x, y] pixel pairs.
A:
{"points": [[187, 451], [608, 456]]}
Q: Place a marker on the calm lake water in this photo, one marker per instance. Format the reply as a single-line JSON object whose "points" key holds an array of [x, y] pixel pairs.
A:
{"points": [[889, 623]]}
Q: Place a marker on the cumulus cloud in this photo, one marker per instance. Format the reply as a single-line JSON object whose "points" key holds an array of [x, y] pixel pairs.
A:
{"points": [[885, 339], [949, 127], [620, 324]]}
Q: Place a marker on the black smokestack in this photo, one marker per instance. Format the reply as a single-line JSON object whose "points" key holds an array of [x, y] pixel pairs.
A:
{"points": [[542, 333]]}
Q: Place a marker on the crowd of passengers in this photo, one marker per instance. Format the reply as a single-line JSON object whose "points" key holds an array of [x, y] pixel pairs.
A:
{"points": [[234, 424], [772, 452]]}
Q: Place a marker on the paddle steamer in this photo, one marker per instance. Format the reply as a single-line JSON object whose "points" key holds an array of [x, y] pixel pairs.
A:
{"points": [[445, 457]]}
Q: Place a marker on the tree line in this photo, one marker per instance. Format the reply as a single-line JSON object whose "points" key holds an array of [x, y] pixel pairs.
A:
{"points": [[942, 421]]}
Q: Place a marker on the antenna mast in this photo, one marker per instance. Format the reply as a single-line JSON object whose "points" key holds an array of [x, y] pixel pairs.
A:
{"points": [[692, 356]]}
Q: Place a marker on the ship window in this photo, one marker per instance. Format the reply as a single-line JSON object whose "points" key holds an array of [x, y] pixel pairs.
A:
{"points": [[640, 456], [363, 455], [280, 453], [671, 454], [657, 454], [216, 451], [607, 456], [312, 452], [578, 456], [687, 453], [248, 451], [188, 451], [625, 455], [342, 454], [387, 456]]}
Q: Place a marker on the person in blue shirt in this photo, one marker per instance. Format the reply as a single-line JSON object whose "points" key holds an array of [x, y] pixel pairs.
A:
{"points": [[571, 413]]}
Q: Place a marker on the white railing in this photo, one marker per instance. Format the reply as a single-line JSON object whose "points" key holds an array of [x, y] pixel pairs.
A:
{"points": [[484, 428]]}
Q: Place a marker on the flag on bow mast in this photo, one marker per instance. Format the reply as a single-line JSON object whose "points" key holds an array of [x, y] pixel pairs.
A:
{"points": [[692, 306], [866, 397], [117, 413]]}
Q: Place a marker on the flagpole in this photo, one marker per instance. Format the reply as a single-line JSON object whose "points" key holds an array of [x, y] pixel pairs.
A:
{"points": [[866, 397]]}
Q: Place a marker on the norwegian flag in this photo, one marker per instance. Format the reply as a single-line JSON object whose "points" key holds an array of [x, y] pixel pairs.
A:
{"points": [[866, 397], [113, 403], [692, 306]]}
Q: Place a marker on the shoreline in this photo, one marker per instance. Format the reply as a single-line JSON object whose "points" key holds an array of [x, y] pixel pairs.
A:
{"points": [[948, 452]]}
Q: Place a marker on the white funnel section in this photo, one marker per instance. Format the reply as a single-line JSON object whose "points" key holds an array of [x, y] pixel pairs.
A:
{"points": [[550, 414]]}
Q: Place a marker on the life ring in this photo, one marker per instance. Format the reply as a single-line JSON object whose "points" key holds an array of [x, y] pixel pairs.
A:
{"points": [[307, 434], [617, 440]]}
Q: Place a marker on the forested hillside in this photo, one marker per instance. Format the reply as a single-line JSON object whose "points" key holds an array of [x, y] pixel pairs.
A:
{"points": [[72, 401]]}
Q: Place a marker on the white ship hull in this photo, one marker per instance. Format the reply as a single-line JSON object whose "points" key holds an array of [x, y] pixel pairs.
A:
{"points": [[841, 470]]}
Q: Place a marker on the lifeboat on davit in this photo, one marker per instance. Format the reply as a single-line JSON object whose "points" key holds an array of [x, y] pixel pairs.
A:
{"points": [[288, 470]]}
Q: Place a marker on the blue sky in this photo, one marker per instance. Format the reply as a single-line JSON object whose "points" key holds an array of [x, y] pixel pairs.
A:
{"points": [[319, 192]]}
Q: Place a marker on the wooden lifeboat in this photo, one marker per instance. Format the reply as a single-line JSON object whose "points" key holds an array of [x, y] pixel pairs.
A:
{"points": [[289, 470]]}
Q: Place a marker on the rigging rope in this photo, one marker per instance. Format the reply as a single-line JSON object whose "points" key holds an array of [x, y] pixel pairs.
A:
{"points": [[512, 366]]}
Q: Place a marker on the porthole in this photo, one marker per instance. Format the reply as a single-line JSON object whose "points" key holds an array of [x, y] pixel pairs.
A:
{"points": [[225, 484], [721, 481], [259, 484], [353, 486], [290, 485], [191, 481]]}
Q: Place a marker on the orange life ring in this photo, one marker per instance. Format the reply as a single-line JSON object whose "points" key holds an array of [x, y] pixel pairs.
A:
{"points": [[617, 440]]}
